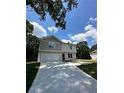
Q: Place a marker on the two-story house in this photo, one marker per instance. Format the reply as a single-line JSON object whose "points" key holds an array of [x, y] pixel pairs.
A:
{"points": [[52, 49]]}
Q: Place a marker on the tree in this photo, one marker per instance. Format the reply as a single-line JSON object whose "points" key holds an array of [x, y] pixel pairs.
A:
{"points": [[29, 28], [94, 47], [32, 43], [57, 9], [83, 51]]}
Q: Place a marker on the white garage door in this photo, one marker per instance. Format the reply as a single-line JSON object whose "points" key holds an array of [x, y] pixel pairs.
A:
{"points": [[49, 57]]}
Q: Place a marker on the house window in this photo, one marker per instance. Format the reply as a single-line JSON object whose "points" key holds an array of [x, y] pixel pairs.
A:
{"points": [[69, 55], [70, 47], [51, 44]]}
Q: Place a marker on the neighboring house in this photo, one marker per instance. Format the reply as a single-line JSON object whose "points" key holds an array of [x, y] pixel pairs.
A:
{"points": [[93, 54], [52, 49]]}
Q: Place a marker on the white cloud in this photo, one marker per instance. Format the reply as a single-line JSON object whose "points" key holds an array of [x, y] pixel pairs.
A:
{"points": [[78, 37], [66, 41], [38, 31], [92, 19], [89, 27], [90, 32], [74, 42], [52, 29]]}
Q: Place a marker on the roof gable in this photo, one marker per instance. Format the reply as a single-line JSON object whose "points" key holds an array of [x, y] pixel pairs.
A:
{"points": [[51, 38]]}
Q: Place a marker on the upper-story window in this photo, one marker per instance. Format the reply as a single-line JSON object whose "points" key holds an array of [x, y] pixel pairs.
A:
{"points": [[51, 44], [70, 46]]}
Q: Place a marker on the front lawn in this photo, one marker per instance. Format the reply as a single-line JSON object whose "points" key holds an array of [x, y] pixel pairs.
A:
{"points": [[31, 71], [90, 69], [87, 60]]}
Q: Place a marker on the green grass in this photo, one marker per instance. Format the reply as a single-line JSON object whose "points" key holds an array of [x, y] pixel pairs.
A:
{"points": [[31, 71], [87, 60], [90, 69]]}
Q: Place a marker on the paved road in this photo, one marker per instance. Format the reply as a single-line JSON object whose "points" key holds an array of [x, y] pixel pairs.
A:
{"points": [[62, 78]]}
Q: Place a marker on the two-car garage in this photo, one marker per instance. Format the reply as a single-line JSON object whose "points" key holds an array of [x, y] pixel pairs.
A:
{"points": [[49, 57]]}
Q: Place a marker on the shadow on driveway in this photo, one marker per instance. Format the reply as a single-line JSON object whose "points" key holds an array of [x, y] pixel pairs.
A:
{"points": [[62, 78]]}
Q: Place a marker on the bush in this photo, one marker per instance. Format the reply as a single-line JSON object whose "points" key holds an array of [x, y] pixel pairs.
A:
{"points": [[85, 56], [31, 71], [83, 51], [90, 69], [31, 55]]}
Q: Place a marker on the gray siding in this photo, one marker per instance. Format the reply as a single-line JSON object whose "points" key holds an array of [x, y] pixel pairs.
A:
{"points": [[73, 56], [44, 45], [66, 48], [60, 48]]}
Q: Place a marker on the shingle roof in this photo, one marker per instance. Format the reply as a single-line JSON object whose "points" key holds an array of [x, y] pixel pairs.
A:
{"points": [[51, 36]]}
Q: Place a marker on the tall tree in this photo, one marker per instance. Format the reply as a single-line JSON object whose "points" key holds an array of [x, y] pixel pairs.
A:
{"points": [[83, 51], [57, 9], [94, 47], [32, 43]]}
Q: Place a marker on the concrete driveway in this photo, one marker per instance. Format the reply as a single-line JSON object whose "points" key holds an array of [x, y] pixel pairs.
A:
{"points": [[62, 78]]}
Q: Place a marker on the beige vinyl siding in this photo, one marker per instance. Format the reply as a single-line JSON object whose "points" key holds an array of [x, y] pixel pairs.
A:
{"points": [[49, 53], [44, 45], [66, 48], [73, 56]]}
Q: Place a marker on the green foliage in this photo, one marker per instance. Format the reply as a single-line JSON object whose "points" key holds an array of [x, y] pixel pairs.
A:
{"points": [[94, 47], [90, 69], [32, 43], [83, 51], [31, 71], [57, 9], [29, 28], [87, 60]]}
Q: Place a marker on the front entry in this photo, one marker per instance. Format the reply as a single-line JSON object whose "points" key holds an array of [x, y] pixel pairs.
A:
{"points": [[63, 57]]}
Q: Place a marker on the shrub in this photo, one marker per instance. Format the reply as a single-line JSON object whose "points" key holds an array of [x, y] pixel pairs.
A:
{"points": [[31, 71]]}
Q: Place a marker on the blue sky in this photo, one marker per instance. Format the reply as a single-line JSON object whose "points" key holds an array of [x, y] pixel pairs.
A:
{"points": [[81, 24]]}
